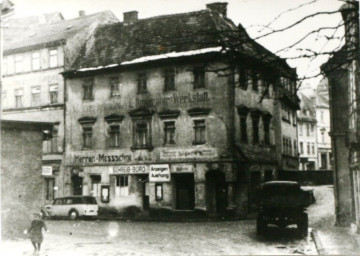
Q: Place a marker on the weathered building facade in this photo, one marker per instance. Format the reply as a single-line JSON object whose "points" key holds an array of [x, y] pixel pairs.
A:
{"points": [[32, 86], [167, 113], [342, 71], [21, 196]]}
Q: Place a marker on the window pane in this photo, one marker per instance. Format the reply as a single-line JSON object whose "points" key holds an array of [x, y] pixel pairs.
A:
{"points": [[199, 78], [53, 58], [114, 87], [199, 129], [35, 59]]}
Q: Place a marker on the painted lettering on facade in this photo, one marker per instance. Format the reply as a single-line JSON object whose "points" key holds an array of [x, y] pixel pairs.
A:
{"points": [[175, 99], [95, 109], [128, 169], [188, 153], [159, 173], [101, 158], [182, 168]]}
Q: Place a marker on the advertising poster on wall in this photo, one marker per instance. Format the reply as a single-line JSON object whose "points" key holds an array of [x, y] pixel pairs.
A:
{"points": [[159, 173]]}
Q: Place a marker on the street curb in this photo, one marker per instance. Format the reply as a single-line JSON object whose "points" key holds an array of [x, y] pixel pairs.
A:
{"points": [[318, 244]]}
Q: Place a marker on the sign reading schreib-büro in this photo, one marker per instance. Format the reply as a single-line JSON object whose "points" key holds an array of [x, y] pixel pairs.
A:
{"points": [[128, 169], [159, 173]]}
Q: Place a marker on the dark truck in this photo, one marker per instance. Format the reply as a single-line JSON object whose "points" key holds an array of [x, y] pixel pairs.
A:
{"points": [[282, 203]]}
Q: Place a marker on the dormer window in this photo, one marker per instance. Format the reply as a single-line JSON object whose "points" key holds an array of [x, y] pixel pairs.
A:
{"points": [[88, 86], [199, 77]]}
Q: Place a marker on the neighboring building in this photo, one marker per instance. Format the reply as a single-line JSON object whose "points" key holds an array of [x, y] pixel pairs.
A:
{"points": [[307, 134], [323, 126], [342, 71], [313, 129], [21, 173], [159, 116], [32, 86]]}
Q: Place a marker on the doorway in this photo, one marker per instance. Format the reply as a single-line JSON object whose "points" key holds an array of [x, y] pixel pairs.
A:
{"points": [[184, 191], [216, 193], [76, 184]]}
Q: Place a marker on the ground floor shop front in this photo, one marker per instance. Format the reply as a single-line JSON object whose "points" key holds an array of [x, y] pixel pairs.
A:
{"points": [[205, 186]]}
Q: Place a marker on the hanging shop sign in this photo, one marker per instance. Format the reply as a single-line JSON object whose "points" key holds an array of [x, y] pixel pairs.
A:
{"points": [[182, 168], [159, 173], [46, 170], [128, 169], [188, 153]]}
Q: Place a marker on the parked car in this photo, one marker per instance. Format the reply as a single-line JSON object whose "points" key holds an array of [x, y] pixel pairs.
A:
{"points": [[282, 203], [73, 207]]}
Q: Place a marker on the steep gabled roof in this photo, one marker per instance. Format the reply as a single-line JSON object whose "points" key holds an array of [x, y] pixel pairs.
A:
{"points": [[45, 18], [168, 36], [43, 34]]}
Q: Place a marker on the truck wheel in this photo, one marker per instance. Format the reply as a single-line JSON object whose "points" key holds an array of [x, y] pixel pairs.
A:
{"points": [[73, 214], [303, 226], [260, 226]]}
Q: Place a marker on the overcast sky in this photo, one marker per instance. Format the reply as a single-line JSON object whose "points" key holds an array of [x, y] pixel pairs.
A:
{"points": [[250, 13]]}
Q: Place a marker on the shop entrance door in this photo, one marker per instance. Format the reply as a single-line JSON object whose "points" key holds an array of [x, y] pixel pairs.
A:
{"points": [[216, 193], [184, 187], [77, 185]]}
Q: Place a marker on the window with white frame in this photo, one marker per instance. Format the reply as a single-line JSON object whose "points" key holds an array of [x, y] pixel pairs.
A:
{"points": [[19, 98], [35, 96], [95, 185], [53, 58], [114, 135], [35, 61], [169, 132], [199, 130], [19, 64], [53, 93], [121, 185]]}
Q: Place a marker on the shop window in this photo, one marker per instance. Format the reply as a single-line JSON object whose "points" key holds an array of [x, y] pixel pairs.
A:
{"points": [[199, 129], [199, 77], [35, 61], [169, 80], [19, 98], [88, 87], [53, 58], [169, 131], [19, 64], [114, 87], [95, 185], [142, 83], [122, 185], [49, 188], [35, 96], [255, 129], [158, 191], [53, 93]]}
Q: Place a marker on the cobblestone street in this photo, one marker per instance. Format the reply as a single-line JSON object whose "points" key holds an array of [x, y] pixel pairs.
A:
{"points": [[161, 238]]}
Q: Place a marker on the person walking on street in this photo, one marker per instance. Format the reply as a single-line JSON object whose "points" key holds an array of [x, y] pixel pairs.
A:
{"points": [[35, 232]]}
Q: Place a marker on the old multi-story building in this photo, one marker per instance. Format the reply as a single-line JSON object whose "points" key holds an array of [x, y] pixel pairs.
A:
{"points": [[313, 129], [323, 126], [307, 133], [32, 86], [342, 71], [178, 112]]}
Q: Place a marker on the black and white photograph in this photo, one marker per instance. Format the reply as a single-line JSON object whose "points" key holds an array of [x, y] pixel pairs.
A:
{"points": [[179, 127]]}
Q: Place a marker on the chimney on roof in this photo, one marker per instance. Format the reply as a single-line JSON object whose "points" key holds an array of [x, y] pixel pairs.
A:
{"points": [[350, 14], [130, 17], [81, 13], [218, 7]]}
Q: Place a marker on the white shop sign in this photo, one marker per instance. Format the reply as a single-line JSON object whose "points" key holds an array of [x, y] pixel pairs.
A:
{"points": [[208, 153], [46, 170], [181, 168], [128, 169], [159, 173]]}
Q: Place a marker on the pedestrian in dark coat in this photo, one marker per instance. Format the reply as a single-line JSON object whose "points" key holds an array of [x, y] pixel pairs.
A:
{"points": [[35, 232]]}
